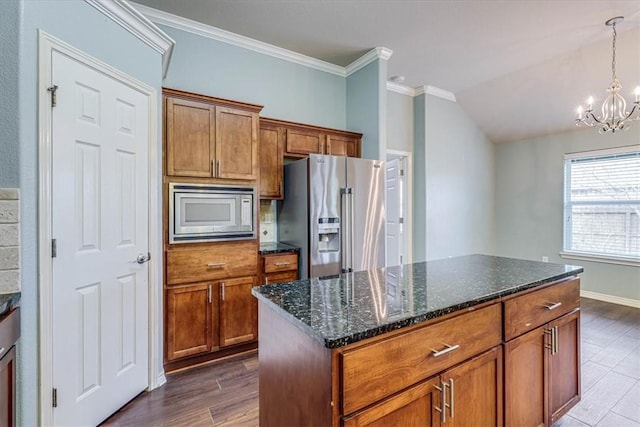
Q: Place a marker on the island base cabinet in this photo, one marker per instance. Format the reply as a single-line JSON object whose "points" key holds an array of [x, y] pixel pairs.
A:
{"points": [[414, 407], [564, 366], [549, 385], [460, 396]]}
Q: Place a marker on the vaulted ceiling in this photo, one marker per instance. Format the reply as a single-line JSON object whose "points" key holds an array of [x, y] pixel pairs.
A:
{"points": [[518, 68]]}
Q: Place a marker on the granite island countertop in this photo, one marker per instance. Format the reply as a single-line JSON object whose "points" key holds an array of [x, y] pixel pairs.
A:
{"points": [[350, 307], [276, 248]]}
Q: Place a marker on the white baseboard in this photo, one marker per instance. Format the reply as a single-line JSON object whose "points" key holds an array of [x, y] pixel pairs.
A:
{"points": [[160, 381], [610, 298]]}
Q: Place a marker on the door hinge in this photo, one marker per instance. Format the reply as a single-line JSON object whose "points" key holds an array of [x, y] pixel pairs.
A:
{"points": [[400, 220], [53, 89], [54, 248], [54, 397], [401, 172]]}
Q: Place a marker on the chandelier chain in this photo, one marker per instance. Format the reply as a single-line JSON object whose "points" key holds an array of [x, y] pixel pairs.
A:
{"points": [[613, 61]]}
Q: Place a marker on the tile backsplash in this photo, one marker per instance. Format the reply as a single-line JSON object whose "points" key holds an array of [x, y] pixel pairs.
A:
{"points": [[9, 240], [268, 221]]}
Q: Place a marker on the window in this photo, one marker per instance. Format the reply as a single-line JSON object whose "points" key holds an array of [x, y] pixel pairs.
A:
{"points": [[602, 203]]}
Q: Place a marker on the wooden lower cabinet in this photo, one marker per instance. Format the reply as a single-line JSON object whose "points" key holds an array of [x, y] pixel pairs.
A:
{"points": [[238, 311], [550, 384], [191, 327], [564, 366], [280, 267], [470, 392], [414, 407]]}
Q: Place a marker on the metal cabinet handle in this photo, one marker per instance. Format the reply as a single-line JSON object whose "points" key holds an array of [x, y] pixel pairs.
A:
{"points": [[448, 349], [553, 306], [216, 265], [213, 168], [218, 168], [443, 399], [555, 340], [209, 293], [282, 264], [142, 258], [222, 289], [266, 280], [2, 351], [451, 397]]}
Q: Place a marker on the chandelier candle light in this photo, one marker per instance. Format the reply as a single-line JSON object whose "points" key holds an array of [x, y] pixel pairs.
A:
{"points": [[614, 108]]}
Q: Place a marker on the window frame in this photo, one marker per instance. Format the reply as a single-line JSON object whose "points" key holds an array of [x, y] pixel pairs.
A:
{"points": [[567, 205]]}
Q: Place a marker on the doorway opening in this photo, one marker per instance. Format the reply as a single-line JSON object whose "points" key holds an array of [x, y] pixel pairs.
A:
{"points": [[398, 207]]}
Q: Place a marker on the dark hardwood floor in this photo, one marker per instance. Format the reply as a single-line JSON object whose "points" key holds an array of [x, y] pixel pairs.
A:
{"points": [[226, 393]]}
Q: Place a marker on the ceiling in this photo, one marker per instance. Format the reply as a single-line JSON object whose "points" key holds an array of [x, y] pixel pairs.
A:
{"points": [[518, 68]]}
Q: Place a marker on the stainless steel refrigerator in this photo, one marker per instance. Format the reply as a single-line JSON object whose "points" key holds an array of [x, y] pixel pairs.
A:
{"points": [[333, 209]]}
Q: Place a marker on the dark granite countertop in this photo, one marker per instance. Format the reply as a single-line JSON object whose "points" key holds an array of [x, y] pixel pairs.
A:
{"points": [[7, 301], [276, 248], [350, 307]]}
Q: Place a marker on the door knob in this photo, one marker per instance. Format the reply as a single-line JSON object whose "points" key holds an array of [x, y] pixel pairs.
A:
{"points": [[142, 258]]}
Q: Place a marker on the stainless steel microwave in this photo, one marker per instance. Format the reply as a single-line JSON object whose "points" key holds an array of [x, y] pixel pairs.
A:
{"points": [[203, 212]]}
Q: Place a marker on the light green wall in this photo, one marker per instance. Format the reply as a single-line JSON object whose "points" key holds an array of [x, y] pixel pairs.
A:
{"points": [[82, 26], [9, 31], [367, 107], [529, 204], [419, 221], [460, 183], [288, 91], [399, 122]]}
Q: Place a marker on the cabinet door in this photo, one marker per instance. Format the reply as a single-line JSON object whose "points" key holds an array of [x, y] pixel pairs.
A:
{"points": [[191, 328], [8, 388], [190, 137], [525, 378], [473, 391], [414, 407], [564, 365], [338, 145], [238, 311], [236, 144], [304, 142], [271, 159]]}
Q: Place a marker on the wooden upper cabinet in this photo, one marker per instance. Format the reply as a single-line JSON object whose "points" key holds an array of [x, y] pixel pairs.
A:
{"points": [[190, 136], [305, 141], [236, 143], [342, 145], [209, 137], [271, 161]]}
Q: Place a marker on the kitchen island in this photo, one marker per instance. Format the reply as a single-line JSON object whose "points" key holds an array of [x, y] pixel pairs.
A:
{"points": [[461, 341]]}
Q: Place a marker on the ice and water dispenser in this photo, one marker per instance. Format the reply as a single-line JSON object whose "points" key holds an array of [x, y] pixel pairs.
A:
{"points": [[328, 234]]}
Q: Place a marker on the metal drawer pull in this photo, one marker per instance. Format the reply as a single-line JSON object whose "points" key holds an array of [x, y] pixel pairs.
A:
{"points": [[216, 265], [282, 264], [553, 306], [449, 348], [2, 350], [443, 399]]}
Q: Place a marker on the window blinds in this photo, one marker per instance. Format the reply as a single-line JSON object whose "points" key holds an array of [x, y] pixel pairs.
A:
{"points": [[602, 203]]}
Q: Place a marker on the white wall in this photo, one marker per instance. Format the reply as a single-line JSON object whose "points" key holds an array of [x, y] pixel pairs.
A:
{"points": [[529, 204], [459, 162]]}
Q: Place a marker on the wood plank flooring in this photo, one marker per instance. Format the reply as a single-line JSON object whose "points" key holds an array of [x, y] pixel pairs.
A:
{"points": [[226, 393]]}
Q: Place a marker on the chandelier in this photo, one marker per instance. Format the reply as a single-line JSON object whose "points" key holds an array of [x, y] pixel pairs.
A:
{"points": [[614, 108]]}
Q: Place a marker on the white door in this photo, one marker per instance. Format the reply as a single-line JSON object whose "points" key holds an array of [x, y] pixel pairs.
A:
{"points": [[394, 212], [99, 221]]}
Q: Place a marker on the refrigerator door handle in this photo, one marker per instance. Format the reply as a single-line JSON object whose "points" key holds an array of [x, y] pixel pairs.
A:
{"points": [[352, 236], [345, 233]]}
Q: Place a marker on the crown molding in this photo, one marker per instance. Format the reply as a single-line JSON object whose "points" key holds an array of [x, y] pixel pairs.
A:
{"points": [[404, 90], [197, 28], [125, 15], [368, 58], [435, 91]]}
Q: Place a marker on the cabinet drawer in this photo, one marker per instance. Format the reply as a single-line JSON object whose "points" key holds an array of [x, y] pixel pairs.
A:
{"points": [[527, 312], [276, 263], [9, 331], [375, 371], [216, 262], [285, 276]]}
